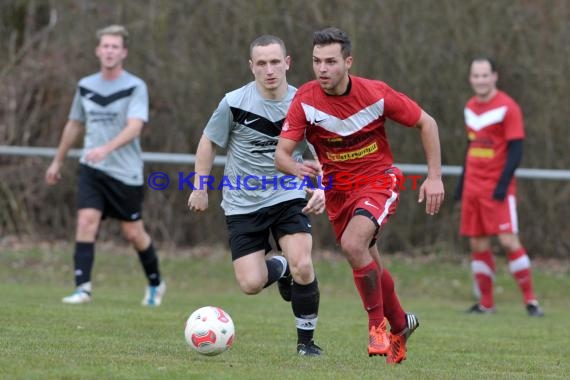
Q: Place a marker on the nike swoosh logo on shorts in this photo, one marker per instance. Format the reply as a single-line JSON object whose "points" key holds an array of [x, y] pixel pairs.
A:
{"points": [[371, 205], [248, 122]]}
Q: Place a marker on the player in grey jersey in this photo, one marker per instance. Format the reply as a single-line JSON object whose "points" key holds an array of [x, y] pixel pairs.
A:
{"points": [[112, 107], [258, 199]]}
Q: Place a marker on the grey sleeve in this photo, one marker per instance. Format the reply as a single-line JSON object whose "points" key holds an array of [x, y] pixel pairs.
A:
{"points": [[77, 112], [219, 126], [138, 106]]}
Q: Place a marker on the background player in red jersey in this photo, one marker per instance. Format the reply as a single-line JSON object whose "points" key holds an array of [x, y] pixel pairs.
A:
{"points": [[487, 187], [343, 117]]}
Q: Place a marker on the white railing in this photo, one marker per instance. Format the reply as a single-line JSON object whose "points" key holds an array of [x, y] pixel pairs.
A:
{"points": [[179, 158]]}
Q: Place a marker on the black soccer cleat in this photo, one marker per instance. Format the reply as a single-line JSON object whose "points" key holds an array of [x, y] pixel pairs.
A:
{"points": [[284, 284], [534, 310], [478, 309], [309, 349]]}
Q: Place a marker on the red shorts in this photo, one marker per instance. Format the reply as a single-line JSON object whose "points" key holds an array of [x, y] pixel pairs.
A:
{"points": [[380, 201], [484, 216]]}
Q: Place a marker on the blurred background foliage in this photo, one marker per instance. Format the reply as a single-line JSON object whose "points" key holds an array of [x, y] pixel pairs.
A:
{"points": [[191, 52]]}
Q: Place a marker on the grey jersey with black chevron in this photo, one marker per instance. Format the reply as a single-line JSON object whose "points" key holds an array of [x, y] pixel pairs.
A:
{"points": [[104, 106], [249, 125]]}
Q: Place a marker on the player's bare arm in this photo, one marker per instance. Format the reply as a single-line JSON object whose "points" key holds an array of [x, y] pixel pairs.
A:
{"points": [[128, 134], [432, 190], [285, 163], [205, 154], [71, 132], [315, 164]]}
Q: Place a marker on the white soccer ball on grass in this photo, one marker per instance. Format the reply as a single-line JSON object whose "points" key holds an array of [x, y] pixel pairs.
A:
{"points": [[209, 331]]}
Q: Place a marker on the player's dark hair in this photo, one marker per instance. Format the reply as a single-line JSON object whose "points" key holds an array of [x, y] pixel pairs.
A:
{"points": [[265, 40], [333, 35], [484, 58]]}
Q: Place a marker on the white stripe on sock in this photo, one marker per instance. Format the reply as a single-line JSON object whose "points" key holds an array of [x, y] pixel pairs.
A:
{"points": [[519, 264], [306, 324], [480, 267], [283, 262], [86, 287]]}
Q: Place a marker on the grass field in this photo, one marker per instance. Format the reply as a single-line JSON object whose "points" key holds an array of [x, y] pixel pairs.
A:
{"points": [[116, 338]]}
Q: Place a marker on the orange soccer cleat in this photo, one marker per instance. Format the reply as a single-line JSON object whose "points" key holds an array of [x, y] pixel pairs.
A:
{"points": [[398, 348], [378, 341]]}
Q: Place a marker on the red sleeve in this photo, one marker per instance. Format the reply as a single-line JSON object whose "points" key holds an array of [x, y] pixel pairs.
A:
{"points": [[513, 123], [400, 108], [295, 122]]}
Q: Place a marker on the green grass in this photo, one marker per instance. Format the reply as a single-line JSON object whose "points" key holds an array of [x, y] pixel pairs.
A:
{"points": [[115, 338]]}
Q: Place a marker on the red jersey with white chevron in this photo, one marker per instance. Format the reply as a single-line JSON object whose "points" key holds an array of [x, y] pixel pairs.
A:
{"points": [[348, 131], [490, 125]]}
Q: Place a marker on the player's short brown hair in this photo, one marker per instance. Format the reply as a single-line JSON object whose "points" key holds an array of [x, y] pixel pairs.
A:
{"points": [[267, 39], [333, 35], [114, 30]]}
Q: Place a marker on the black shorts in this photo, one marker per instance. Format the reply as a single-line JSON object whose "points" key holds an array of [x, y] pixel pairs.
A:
{"points": [[250, 232], [110, 196]]}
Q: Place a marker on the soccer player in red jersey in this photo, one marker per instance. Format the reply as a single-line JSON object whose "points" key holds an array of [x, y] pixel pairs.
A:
{"points": [[343, 117], [487, 188]]}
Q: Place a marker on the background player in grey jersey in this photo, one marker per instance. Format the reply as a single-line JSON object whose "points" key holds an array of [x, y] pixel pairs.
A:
{"points": [[247, 122], [112, 107]]}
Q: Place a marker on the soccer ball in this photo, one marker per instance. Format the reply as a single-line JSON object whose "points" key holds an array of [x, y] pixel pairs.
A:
{"points": [[210, 331]]}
